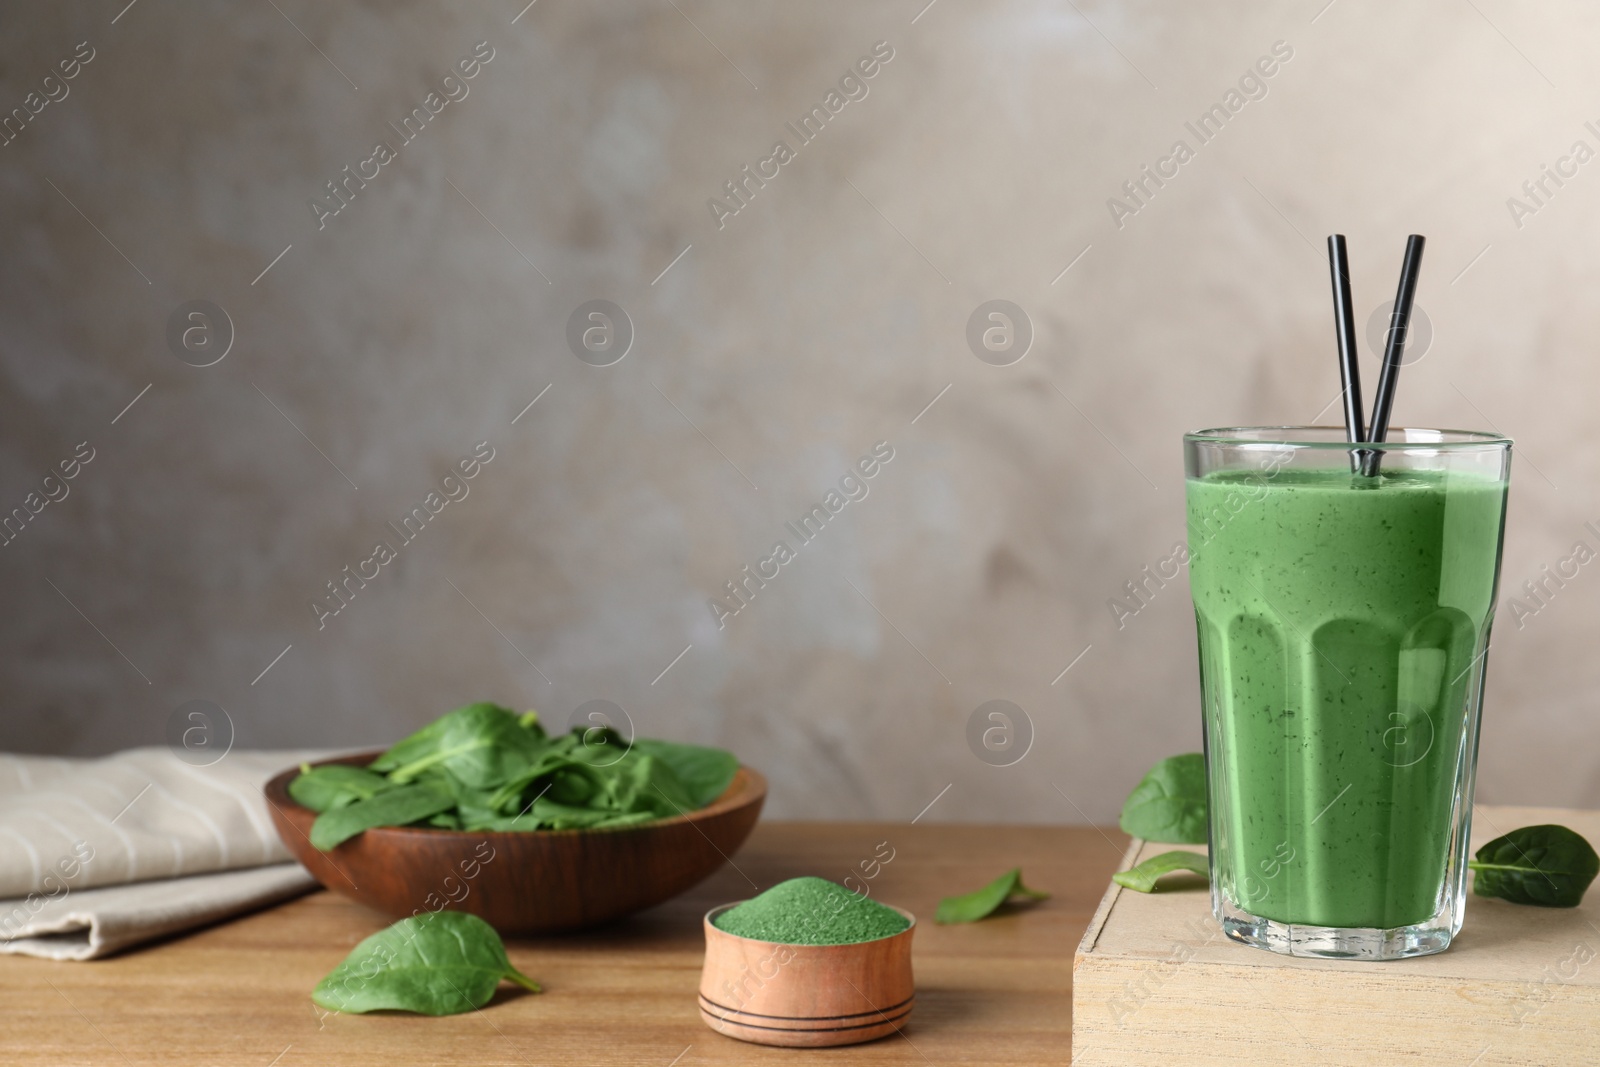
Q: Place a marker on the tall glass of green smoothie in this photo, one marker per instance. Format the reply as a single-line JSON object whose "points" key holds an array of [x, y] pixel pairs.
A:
{"points": [[1343, 621]]}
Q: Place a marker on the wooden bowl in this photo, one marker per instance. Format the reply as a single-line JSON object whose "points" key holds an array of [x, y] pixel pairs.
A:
{"points": [[529, 882], [806, 996]]}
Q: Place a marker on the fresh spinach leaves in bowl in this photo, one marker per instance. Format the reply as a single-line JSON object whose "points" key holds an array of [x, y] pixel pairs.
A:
{"points": [[484, 767]]}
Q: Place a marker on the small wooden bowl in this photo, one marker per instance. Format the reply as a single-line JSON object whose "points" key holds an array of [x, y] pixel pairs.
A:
{"points": [[529, 882], [806, 996]]}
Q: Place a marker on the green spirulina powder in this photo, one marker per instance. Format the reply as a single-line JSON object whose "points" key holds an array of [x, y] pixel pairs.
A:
{"points": [[811, 911]]}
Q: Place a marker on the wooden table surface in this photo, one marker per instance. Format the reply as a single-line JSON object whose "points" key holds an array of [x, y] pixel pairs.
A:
{"points": [[995, 992]]}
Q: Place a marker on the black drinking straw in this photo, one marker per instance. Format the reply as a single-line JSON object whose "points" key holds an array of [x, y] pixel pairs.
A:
{"points": [[1344, 325], [1388, 377]]}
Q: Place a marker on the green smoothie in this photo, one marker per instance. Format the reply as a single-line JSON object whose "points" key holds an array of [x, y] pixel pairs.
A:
{"points": [[1341, 620]]}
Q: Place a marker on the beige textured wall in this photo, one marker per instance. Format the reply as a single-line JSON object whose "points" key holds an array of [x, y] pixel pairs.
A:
{"points": [[775, 352]]}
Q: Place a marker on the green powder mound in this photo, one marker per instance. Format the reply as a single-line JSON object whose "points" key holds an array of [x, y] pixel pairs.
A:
{"points": [[811, 911]]}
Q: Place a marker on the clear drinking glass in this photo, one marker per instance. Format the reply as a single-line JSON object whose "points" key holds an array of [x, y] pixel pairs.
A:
{"points": [[1343, 623]]}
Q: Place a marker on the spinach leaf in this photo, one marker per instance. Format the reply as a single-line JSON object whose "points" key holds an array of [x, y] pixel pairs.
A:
{"points": [[600, 746], [1169, 803], [981, 903], [393, 807], [415, 746], [427, 741], [1143, 877], [545, 814], [466, 796], [483, 767], [482, 745], [644, 783], [580, 784], [440, 963], [705, 773], [531, 781], [333, 785], [1546, 866]]}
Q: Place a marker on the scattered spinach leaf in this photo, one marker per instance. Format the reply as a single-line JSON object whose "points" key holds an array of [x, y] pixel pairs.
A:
{"points": [[981, 903], [1143, 877], [439, 963], [1169, 803], [393, 807], [1547, 866]]}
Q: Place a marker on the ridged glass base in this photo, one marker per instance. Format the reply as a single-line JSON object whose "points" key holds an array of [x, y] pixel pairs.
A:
{"points": [[1328, 942]]}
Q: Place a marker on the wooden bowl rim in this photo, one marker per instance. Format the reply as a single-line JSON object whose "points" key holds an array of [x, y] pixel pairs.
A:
{"points": [[749, 786], [712, 928]]}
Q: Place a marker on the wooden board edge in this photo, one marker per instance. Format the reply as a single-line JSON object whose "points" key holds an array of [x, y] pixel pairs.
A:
{"points": [[1149, 1016], [1102, 912]]}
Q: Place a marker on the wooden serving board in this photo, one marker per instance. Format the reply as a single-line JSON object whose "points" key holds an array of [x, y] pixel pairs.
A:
{"points": [[1155, 981]]}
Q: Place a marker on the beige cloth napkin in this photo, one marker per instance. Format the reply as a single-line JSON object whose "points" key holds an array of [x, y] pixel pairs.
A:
{"points": [[100, 854]]}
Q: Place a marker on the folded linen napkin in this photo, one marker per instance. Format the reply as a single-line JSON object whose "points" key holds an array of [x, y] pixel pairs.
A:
{"points": [[100, 854], [92, 923]]}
